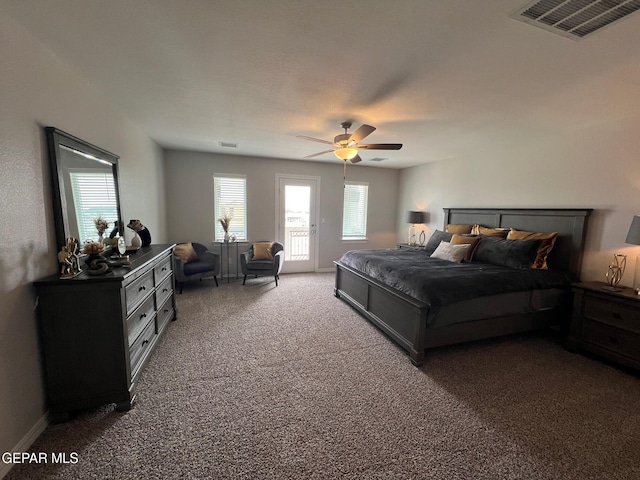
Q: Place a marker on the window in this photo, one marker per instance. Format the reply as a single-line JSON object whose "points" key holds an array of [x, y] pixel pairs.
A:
{"points": [[230, 198], [354, 218], [94, 194]]}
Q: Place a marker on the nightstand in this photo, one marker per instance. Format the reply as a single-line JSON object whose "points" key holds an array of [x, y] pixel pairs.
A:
{"points": [[606, 323], [406, 246]]}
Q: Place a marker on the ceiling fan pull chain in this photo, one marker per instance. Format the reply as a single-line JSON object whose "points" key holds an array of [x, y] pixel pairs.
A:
{"points": [[344, 176]]}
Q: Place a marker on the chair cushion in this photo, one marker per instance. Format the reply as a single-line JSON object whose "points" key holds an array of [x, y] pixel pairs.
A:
{"points": [[260, 265], [262, 251], [185, 252], [198, 266]]}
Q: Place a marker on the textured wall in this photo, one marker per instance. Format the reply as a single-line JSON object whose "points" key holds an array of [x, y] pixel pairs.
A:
{"points": [[595, 166], [37, 90], [189, 188]]}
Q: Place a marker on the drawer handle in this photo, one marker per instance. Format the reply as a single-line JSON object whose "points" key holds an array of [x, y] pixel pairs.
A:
{"points": [[165, 290], [613, 340], [142, 288], [166, 310], [144, 315], [164, 269], [617, 316], [145, 343]]}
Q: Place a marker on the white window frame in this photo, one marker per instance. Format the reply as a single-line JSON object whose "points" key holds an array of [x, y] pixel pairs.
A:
{"points": [[238, 211], [355, 210]]}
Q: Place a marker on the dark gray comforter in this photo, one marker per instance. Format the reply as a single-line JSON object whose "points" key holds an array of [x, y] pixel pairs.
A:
{"points": [[439, 282]]}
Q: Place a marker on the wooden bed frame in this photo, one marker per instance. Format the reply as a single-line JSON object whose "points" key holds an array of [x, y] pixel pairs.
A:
{"points": [[404, 318]]}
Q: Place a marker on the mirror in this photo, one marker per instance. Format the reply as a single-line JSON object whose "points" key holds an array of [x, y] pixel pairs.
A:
{"points": [[85, 190]]}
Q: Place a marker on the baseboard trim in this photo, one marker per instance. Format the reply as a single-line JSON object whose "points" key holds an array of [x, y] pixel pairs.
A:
{"points": [[26, 442], [326, 270]]}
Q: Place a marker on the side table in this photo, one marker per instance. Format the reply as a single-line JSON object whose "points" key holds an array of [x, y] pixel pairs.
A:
{"points": [[606, 323], [227, 251]]}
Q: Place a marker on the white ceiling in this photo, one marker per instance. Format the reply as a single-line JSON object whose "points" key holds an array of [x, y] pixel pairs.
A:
{"points": [[445, 78]]}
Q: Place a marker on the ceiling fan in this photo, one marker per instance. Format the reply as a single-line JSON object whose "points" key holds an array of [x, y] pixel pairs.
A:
{"points": [[347, 145]]}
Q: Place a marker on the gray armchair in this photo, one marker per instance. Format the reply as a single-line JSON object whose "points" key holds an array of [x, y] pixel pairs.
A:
{"points": [[263, 266], [203, 264]]}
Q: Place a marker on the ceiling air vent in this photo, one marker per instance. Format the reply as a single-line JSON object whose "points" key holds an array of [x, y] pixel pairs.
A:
{"points": [[228, 144], [575, 19], [378, 159]]}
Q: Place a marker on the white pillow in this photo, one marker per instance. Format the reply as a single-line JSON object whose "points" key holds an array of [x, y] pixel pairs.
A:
{"points": [[453, 253]]}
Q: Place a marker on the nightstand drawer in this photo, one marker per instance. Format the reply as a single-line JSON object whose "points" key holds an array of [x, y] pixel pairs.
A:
{"points": [[611, 337], [612, 313]]}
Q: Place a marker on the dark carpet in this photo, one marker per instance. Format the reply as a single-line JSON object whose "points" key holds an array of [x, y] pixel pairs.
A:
{"points": [[289, 382]]}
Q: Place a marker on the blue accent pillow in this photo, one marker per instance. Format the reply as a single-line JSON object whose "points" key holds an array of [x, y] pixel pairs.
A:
{"points": [[508, 253], [437, 237]]}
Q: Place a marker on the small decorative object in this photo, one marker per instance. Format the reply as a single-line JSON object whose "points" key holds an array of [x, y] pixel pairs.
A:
{"points": [[141, 237], [615, 272], [414, 217], [233, 238], [101, 225], [633, 238], [97, 263], [116, 230], [69, 260], [225, 221]]}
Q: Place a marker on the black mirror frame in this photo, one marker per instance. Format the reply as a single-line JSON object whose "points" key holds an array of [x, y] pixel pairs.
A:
{"points": [[55, 138]]}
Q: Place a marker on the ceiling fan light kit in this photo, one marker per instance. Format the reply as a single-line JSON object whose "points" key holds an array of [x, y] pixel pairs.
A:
{"points": [[345, 153], [347, 145]]}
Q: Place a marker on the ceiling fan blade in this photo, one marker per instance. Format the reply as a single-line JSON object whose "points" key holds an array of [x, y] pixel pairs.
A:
{"points": [[362, 132], [318, 154], [304, 137], [356, 159], [380, 146]]}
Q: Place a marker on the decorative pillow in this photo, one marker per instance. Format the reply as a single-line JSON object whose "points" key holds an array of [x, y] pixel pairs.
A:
{"points": [[262, 251], [452, 253], [490, 232], [185, 252], [547, 241], [508, 253], [458, 228], [437, 237], [466, 240]]}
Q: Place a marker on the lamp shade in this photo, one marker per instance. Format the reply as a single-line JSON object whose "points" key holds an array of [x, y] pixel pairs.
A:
{"points": [[414, 217], [345, 153], [633, 237]]}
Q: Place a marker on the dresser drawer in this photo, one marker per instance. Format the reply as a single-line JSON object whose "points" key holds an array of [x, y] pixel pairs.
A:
{"points": [[612, 313], [162, 269], [141, 347], [137, 290], [165, 313], [138, 320], [611, 337], [164, 291]]}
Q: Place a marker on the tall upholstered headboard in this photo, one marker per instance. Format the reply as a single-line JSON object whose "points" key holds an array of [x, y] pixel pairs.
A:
{"points": [[570, 223]]}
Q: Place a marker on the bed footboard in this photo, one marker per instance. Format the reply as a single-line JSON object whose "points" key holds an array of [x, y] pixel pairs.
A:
{"points": [[401, 317]]}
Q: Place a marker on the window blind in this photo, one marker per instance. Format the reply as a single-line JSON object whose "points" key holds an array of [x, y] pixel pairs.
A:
{"points": [[354, 219], [94, 194], [230, 198]]}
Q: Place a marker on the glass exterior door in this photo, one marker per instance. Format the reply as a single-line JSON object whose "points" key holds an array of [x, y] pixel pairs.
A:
{"points": [[297, 223]]}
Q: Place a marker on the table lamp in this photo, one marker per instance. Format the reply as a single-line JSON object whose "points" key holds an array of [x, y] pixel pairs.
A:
{"points": [[414, 217], [633, 238]]}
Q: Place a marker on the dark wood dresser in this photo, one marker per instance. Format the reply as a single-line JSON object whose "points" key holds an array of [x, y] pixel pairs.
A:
{"points": [[606, 323], [97, 332]]}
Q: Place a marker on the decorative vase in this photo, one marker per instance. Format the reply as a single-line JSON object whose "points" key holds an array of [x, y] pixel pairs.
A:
{"points": [[226, 236], [136, 241]]}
